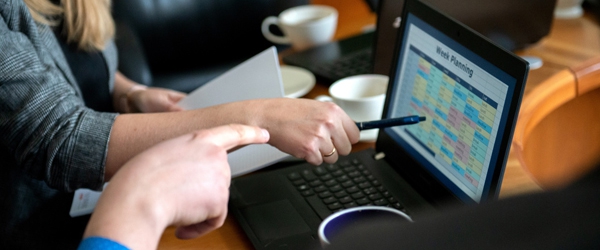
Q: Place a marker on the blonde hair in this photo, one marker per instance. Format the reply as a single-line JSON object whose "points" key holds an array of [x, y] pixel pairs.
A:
{"points": [[87, 23]]}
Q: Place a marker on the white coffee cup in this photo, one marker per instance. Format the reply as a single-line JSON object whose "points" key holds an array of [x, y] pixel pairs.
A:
{"points": [[361, 97], [338, 222], [303, 26]]}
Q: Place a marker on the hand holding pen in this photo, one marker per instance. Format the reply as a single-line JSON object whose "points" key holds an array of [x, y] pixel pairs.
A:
{"points": [[390, 122]]}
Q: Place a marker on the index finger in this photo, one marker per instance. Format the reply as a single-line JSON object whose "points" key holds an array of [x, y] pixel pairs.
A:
{"points": [[233, 135]]}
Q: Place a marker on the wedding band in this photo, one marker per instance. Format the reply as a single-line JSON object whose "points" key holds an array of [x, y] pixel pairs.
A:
{"points": [[330, 154]]}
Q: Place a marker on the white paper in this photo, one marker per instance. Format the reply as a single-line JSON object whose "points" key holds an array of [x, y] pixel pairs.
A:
{"points": [[84, 201], [257, 77]]}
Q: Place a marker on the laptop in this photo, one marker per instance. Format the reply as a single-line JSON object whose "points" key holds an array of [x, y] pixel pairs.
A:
{"points": [[469, 90], [509, 23]]}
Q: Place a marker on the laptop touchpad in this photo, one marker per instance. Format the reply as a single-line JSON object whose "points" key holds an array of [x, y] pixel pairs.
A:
{"points": [[275, 220]]}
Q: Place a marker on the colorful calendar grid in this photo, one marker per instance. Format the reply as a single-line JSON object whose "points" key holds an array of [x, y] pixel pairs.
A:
{"points": [[459, 119]]}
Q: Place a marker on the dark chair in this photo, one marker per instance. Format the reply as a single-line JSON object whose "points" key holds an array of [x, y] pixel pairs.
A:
{"points": [[182, 44]]}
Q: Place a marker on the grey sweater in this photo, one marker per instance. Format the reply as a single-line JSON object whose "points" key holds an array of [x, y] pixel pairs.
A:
{"points": [[50, 142]]}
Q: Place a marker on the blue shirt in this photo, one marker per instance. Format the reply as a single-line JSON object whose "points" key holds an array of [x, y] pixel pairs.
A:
{"points": [[99, 243]]}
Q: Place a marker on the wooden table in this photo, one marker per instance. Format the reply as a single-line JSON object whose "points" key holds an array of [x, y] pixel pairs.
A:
{"points": [[570, 53]]}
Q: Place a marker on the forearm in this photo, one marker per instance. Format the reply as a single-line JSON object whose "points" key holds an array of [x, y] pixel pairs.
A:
{"points": [[304, 128], [129, 216], [133, 133]]}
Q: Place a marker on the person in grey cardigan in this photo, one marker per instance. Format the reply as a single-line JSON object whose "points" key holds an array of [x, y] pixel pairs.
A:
{"points": [[52, 142]]}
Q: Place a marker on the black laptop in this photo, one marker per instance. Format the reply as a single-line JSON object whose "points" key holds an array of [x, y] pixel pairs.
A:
{"points": [[468, 88], [512, 24]]}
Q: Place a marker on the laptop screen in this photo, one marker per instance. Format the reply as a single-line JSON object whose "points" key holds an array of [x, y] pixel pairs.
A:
{"points": [[464, 98]]}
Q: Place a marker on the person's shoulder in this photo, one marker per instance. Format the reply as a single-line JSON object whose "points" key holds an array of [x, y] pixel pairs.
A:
{"points": [[20, 39], [11, 9], [5, 8], [6, 4], [10, 5]]}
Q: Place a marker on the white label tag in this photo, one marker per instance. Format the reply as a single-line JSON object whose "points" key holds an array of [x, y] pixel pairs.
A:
{"points": [[84, 201]]}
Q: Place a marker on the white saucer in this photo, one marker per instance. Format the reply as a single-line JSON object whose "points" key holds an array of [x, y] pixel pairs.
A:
{"points": [[296, 81]]}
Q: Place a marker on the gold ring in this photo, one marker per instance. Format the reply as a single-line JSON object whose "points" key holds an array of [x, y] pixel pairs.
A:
{"points": [[330, 154]]}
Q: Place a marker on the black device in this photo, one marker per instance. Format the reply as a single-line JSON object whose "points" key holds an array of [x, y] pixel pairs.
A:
{"points": [[512, 24], [469, 90]]}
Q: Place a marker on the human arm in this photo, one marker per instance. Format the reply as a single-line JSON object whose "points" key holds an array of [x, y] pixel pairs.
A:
{"points": [[130, 97], [50, 135], [46, 132], [183, 181], [304, 128], [54, 137]]}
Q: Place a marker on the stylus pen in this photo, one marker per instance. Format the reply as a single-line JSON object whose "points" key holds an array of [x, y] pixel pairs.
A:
{"points": [[390, 122]]}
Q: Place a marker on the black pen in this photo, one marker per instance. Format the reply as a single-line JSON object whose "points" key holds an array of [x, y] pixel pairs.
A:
{"points": [[390, 122]]}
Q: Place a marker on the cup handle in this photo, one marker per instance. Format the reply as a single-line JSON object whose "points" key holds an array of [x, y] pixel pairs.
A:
{"points": [[270, 36], [324, 98]]}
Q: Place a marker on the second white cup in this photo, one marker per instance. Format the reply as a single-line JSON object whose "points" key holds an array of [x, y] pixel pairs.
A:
{"points": [[361, 97], [303, 26]]}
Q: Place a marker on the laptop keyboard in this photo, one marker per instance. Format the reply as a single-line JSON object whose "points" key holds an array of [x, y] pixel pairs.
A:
{"points": [[346, 184], [355, 63]]}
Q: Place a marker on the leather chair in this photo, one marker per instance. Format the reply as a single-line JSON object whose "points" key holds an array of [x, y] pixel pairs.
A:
{"points": [[182, 44]]}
